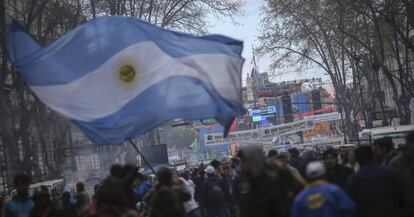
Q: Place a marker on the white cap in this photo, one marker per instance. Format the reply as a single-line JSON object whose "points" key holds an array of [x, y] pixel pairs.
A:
{"points": [[315, 169], [210, 169]]}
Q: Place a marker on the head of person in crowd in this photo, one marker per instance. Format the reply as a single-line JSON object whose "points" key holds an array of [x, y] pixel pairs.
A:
{"points": [[294, 153], [80, 187], [364, 155], [252, 161], [22, 183], [131, 176], [117, 170], [234, 162], [210, 171], [200, 170], [382, 148], [176, 179], [315, 170], [217, 166], [283, 159], [330, 158], [164, 177], [272, 153], [343, 156], [185, 175], [112, 193], [351, 157]]}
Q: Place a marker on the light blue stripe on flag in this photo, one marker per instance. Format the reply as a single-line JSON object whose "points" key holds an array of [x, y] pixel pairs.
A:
{"points": [[118, 77]]}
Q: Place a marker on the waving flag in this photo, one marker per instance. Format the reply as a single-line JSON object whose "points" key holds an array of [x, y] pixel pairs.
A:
{"points": [[118, 77]]}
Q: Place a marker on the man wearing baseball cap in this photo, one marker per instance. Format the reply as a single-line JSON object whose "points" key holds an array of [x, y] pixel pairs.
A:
{"points": [[321, 199]]}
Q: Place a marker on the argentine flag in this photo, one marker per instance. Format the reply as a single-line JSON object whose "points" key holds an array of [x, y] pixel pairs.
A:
{"points": [[119, 77]]}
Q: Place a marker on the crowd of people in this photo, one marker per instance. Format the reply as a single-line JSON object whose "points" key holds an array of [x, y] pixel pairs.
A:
{"points": [[370, 181]]}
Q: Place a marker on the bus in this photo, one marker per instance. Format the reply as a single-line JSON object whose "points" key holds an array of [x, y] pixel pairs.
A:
{"points": [[397, 134]]}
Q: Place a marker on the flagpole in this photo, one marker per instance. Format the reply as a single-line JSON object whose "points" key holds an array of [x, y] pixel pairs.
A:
{"points": [[142, 156]]}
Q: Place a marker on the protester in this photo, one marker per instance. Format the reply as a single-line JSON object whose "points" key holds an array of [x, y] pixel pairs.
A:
{"points": [[56, 199], [295, 160], [143, 188], [403, 164], [352, 163], [321, 199], [95, 190], [213, 196], [336, 173], [68, 209], [283, 159], [383, 149], [191, 206], [82, 198], [111, 200], [165, 199], [260, 192], [198, 177], [43, 206], [375, 188], [290, 183], [20, 205]]}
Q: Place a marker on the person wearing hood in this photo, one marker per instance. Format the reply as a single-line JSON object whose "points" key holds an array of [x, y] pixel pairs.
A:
{"points": [[259, 190]]}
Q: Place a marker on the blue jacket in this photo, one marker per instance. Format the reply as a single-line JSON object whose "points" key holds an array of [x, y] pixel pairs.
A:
{"points": [[18, 208], [325, 200], [142, 190]]}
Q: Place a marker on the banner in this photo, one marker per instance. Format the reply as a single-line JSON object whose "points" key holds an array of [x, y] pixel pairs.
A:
{"points": [[261, 134], [289, 128], [332, 116], [233, 137]]}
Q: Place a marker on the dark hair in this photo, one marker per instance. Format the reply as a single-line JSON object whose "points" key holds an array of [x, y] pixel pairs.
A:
{"points": [[294, 152], [22, 179], [112, 192], [185, 175], [330, 151], [364, 155], [410, 138], [117, 171], [215, 163], [80, 186], [385, 143], [164, 176], [272, 153]]}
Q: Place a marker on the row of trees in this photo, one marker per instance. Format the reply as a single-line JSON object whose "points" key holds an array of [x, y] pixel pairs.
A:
{"points": [[27, 126], [365, 46]]}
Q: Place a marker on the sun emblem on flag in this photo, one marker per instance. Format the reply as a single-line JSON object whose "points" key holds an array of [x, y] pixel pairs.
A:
{"points": [[126, 72]]}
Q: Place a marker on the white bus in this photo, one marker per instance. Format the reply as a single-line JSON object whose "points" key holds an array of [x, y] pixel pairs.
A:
{"points": [[397, 134]]}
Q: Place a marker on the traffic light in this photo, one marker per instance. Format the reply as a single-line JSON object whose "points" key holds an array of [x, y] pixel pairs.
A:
{"points": [[316, 99], [287, 108]]}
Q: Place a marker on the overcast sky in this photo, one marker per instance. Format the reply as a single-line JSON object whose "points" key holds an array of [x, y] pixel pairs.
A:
{"points": [[247, 30]]}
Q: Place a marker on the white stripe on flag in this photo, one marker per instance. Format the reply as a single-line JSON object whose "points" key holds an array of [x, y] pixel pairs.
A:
{"points": [[99, 93]]}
